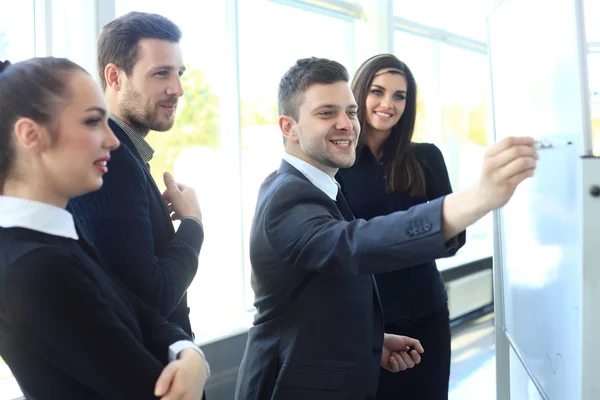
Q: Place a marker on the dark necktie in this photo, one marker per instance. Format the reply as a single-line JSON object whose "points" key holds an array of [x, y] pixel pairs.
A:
{"points": [[342, 205]]}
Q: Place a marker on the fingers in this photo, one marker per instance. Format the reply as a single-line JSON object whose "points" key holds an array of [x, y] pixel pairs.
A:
{"points": [[517, 179], [182, 187], [183, 201], [172, 213], [392, 365], [405, 360], [416, 357], [408, 360], [173, 395], [509, 142], [400, 361], [170, 182], [163, 383], [415, 344], [515, 168], [176, 390], [511, 154]]}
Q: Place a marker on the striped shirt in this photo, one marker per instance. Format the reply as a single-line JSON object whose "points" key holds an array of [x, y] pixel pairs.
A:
{"points": [[143, 148]]}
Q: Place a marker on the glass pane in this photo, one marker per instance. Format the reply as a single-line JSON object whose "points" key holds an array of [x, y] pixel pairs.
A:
{"points": [[594, 76], [261, 68], [448, 15], [592, 27], [464, 95], [419, 55], [17, 40], [17, 43], [194, 151]]}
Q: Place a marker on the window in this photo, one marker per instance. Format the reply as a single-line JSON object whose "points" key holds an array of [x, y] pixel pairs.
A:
{"points": [[594, 77], [462, 17], [464, 96], [592, 8], [420, 55], [17, 43], [17, 33], [272, 38], [592, 28], [198, 151], [452, 112]]}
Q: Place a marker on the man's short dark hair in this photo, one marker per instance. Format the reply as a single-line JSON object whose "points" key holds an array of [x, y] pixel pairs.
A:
{"points": [[118, 41], [305, 73]]}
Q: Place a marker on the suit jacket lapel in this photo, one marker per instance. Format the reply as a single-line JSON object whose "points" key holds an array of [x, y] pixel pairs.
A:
{"points": [[342, 206], [157, 195]]}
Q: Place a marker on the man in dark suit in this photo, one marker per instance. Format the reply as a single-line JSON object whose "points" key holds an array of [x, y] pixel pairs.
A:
{"points": [[318, 332], [128, 221]]}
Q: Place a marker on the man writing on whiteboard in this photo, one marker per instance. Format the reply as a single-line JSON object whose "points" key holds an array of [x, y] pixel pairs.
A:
{"points": [[318, 332]]}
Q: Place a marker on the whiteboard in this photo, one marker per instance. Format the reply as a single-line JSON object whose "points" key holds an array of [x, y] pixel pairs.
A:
{"points": [[539, 88]]}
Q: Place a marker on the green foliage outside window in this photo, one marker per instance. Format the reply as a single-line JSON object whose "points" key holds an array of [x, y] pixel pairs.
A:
{"points": [[197, 123]]}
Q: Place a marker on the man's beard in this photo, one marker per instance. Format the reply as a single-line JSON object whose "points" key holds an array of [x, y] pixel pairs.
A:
{"points": [[144, 120]]}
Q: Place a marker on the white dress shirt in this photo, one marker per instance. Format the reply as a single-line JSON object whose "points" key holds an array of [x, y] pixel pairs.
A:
{"points": [[317, 177], [20, 213]]}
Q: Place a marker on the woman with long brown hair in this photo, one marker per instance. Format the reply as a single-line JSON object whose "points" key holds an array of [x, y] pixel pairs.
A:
{"points": [[391, 173]]}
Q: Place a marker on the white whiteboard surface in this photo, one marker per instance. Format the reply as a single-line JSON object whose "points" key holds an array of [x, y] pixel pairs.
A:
{"points": [[538, 73]]}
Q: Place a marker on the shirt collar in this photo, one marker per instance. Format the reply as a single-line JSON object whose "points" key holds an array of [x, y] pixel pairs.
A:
{"points": [[317, 177], [141, 145], [20, 213]]}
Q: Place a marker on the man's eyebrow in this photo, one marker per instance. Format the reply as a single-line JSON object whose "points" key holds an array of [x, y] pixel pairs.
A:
{"points": [[170, 68], [328, 105]]}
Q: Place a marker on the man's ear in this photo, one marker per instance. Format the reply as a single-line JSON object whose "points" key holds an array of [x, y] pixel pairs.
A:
{"points": [[112, 75], [32, 135], [288, 128]]}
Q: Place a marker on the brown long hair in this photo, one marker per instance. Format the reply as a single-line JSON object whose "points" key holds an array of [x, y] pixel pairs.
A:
{"points": [[402, 168]]}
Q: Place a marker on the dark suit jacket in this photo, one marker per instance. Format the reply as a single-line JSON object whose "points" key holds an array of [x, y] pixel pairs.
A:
{"points": [[318, 331], [409, 293], [68, 330], [129, 225]]}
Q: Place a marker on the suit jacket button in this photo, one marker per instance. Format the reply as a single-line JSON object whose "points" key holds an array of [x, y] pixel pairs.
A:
{"points": [[376, 350]]}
